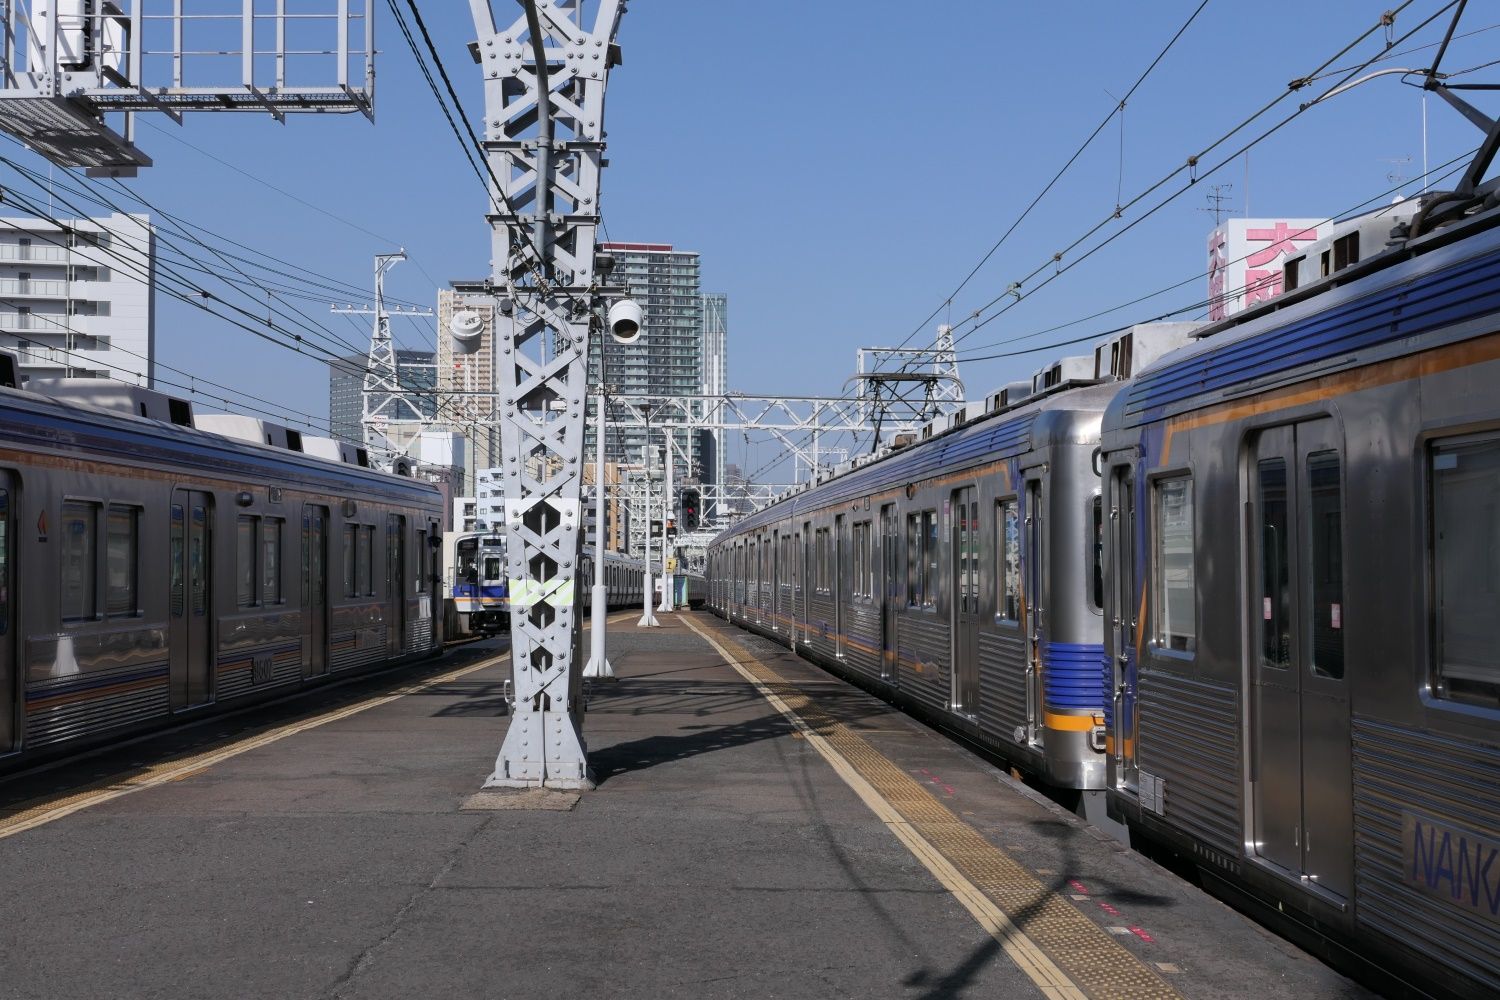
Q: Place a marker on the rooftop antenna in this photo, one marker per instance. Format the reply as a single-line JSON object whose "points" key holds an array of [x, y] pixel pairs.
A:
{"points": [[1218, 201]]}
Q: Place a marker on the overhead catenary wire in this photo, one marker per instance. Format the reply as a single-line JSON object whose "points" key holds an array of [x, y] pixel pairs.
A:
{"points": [[1118, 109], [1014, 291], [1437, 174]]}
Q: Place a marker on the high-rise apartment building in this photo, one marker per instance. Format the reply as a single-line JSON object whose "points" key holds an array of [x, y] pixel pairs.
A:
{"points": [[671, 358], [416, 371], [77, 296], [715, 373], [464, 384]]}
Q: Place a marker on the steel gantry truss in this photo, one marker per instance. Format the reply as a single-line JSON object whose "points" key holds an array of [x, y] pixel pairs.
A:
{"points": [[66, 64], [800, 424], [544, 81]]}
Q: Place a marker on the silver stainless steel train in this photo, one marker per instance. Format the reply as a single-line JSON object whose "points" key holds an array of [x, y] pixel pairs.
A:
{"points": [[151, 570], [1257, 603]]}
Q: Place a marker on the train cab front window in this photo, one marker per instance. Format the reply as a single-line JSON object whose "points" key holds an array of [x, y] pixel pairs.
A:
{"points": [[1465, 553], [468, 561]]}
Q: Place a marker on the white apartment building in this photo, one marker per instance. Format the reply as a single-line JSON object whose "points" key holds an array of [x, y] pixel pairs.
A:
{"points": [[77, 297]]}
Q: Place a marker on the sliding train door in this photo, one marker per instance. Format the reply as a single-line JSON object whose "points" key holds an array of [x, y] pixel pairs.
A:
{"points": [[890, 589], [1300, 753], [190, 605], [10, 681], [395, 581], [315, 522], [964, 588], [1032, 557], [1124, 621]]}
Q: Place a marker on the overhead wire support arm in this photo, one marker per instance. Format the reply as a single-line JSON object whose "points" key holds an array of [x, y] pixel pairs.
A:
{"points": [[65, 66]]}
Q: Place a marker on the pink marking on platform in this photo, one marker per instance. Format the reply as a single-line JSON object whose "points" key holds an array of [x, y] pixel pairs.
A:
{"points": [[1078, 886], [1138, 932], [1107, 908]]}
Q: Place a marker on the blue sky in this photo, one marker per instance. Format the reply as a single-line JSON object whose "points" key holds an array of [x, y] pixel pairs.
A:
{"points": [[840, 166]]}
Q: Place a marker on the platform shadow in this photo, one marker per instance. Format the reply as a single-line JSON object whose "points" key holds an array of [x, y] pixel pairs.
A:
{"points": [[651, 751]]}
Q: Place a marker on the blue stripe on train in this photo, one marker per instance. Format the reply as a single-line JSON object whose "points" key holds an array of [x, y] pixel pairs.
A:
{"points": [[1072, 678]]}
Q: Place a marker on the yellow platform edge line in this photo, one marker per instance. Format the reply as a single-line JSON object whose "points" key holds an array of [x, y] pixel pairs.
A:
{"points": [[1025, 953]]}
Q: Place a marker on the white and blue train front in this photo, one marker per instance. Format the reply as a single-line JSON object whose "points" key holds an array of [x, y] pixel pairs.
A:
{"points": [[480, 591]]}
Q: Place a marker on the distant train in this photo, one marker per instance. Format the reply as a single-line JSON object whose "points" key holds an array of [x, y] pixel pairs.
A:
{"points": [[1246, 587], [151, 570], [477, 584]]}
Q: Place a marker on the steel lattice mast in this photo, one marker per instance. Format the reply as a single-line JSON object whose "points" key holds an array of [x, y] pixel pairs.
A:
{"points": [[544, 80]]}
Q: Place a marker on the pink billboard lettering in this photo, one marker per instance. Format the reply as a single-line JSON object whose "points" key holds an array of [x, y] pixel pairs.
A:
{"points": [[1283, 240]]}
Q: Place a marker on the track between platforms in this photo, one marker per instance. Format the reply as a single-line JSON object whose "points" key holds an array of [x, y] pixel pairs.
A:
{"points": [[1065, 953], [49, 808]]}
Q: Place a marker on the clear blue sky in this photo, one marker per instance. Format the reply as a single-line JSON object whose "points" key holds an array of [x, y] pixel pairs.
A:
{"points": [[839, 165]]}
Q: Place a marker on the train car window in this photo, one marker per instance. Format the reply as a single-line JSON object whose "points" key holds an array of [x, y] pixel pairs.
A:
{"points": [[1175, 612], [364, 558], [930, 561], [121, 560], [421, 560], [914, 560], [351, 543], [80, 535], [175, 573], [863, 586], [1326, 511], [244, 562], [1096, 554], [1008, 561], [4, 561], [1275, 573], [270, 560], [1465, 553]]}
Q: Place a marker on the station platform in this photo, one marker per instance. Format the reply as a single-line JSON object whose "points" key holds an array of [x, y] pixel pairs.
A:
{"points": [[760, 829]]}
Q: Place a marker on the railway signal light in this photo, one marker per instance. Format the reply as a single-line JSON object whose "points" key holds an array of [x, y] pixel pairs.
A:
{"points": [[691, 502]]}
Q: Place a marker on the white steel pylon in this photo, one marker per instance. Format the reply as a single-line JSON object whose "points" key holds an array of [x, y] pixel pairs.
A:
{"points": [[544, 80], [383, 401], [946, 392]]}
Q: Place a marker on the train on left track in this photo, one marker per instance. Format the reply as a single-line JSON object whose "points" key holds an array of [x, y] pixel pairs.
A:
{"points": [[157, 565]]}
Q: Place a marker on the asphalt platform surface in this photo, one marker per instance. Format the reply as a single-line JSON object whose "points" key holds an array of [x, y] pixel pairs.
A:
{"points": [[720, 856]]}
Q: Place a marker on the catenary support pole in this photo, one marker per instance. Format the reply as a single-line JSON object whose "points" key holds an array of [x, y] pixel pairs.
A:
{"points": [[648, 620], [666, 516], [599, 665]]}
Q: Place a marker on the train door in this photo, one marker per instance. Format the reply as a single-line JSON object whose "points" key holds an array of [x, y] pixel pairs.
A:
{"points": [[190, 625], [430, 557], [10, 682], [890, 585], [839, 586], [778, 606], [809, 582], [1124, 621], [965, 603], [1300, 757], [315, 586], [1032, 555], [395, 576]]}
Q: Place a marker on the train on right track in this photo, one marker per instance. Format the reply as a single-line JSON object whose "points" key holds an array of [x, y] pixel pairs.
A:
{"points": [[1238, 585]]}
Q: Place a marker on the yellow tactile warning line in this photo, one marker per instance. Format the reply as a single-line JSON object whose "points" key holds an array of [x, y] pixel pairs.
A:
{"points": [[1064, 952], [44, 810]]}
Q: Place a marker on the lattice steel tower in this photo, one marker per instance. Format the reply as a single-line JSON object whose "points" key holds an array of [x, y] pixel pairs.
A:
{"points": [[544, 80]]}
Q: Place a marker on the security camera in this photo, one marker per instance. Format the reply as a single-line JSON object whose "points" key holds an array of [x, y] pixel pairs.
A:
{"points": [[467, 328], [625, 321]]}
